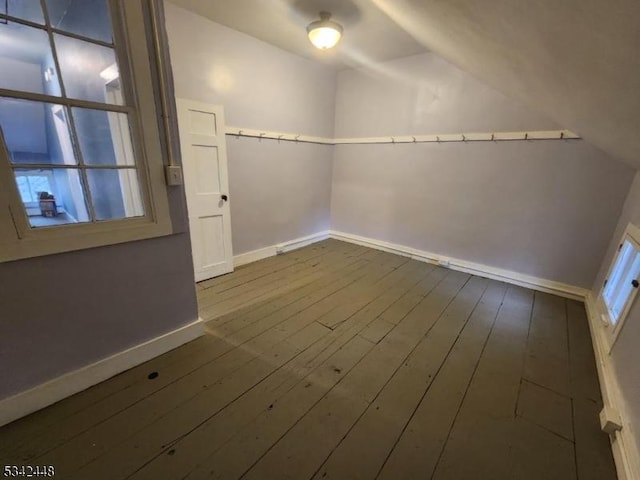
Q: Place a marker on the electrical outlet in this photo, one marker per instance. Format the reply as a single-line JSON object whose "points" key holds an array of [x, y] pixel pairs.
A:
{"points": [[173, 174], [610, 420]]}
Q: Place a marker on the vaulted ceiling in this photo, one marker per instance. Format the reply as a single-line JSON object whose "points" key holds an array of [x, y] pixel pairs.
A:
{"points": [[578, 61]]}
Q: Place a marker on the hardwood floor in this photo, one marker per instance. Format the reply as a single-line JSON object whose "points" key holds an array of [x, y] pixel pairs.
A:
{"points": [[340, 362]]}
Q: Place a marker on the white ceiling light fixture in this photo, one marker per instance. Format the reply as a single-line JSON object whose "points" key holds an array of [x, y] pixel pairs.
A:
{"points": [[324, 33], [110, 73]]}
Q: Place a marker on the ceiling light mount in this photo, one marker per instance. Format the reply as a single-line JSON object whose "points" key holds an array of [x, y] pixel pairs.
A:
{"points": [[324, 33]]}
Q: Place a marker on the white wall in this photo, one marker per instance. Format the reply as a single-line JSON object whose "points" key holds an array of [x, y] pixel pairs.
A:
{"points": [[625, 354], [261, 87], [542, 208]]}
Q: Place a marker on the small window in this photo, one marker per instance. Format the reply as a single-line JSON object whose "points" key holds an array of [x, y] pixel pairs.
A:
{"points": [[621, 286]]}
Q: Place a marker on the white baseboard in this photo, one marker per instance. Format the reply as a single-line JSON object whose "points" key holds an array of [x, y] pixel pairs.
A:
{"points": [[50, 392], [272, 250], [301, 242], [623, 445], [254, 256], [535, 283]]}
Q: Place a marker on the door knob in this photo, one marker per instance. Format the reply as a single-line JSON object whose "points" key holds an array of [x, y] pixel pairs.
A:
{"points": [[224, 197]]}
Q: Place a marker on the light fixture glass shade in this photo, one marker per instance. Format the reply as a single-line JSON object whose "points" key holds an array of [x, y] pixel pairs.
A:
{"points": [[324, 33]]}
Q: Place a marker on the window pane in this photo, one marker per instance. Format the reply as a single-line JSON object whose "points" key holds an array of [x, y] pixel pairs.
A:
{"points": [[618, 290], [26, 61], [104, 137], [24, 9], [52, 197], [115, 193], [89, 71], [25, 191], [36, 132], [89, 18]]}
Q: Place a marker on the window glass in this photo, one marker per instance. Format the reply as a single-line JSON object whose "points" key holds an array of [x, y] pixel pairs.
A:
{"points": [[87, 70], [115, 193], [31, 185], [52, 196], [619, 287], [26, 61], [25, 9], [36, 132], [89, 18], [72, 161], [104, 137]]}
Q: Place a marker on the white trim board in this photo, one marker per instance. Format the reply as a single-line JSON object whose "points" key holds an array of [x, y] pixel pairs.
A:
{"points": [[527, 281], [50, 392], [625, 451], [442, 138], [273, 250]]}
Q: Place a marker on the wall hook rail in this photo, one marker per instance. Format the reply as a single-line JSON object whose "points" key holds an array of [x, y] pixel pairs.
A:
{"points": [[441, 138]]}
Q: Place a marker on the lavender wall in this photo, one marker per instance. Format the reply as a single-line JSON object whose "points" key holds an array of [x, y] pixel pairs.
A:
{"points": [[278, 191], [528, 207]]}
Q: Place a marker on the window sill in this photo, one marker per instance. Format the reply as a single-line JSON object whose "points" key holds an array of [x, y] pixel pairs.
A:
{"points": [[81, 237]]}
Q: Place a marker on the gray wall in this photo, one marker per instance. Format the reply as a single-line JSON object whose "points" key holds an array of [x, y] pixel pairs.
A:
{"points": [[625, 354], [61, 312], [278, 191], [529, 207]]}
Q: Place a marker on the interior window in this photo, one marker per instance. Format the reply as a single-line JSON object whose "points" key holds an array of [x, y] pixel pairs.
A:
{"points": [[24, 9], [64, 120]]}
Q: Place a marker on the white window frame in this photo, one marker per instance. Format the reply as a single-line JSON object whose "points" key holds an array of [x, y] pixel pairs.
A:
{"points": [[631, 234], [134, 52]]}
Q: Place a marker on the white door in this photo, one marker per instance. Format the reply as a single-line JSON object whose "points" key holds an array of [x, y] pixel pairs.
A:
{"points": [[204, 162]]}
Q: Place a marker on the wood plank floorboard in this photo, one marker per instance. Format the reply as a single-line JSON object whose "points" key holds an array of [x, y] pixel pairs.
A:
{"points": [[336, 361]]}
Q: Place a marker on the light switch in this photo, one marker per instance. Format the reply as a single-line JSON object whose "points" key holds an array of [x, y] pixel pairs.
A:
{"points": [[173, 174]]}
